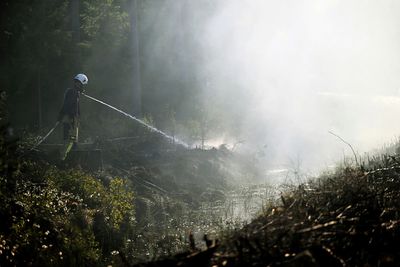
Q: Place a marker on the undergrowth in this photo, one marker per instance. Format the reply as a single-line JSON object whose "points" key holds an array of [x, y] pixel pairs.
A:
{"points": [[53, 217], [346, 218]]}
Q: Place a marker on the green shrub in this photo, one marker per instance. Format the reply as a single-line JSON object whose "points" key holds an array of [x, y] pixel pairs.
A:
{"points": [[58, 218]]}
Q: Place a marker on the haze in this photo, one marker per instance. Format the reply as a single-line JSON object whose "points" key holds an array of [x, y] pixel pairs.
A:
{"points": [[287, 72]]}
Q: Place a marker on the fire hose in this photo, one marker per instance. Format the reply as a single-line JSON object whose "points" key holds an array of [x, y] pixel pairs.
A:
{"points": [[152, 128], [46, 136]]}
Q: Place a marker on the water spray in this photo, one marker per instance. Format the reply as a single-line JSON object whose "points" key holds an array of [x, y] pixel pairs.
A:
{"points": [[151, 128]]}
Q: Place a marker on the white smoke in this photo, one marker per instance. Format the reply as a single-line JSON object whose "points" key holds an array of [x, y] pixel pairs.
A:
{"points": [[290, 71]]}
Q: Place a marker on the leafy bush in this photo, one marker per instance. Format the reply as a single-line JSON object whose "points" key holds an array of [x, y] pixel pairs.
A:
{"points": [[53, 217]]}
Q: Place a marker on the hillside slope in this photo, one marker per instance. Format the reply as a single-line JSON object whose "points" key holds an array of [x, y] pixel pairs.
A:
{"points": [[346, 218], [142, 204]]}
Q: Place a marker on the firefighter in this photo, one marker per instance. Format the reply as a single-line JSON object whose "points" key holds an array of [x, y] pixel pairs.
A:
{"points": [[69, 114]]}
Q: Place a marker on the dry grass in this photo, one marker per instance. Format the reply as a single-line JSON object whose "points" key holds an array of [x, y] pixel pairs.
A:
{"points": [[348, 218]]}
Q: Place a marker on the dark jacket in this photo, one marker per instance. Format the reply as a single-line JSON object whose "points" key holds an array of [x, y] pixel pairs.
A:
{"points": [[70, 106]]}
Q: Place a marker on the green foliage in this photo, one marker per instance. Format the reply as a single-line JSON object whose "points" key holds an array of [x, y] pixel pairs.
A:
{"points": [[49, 229], [78, 183], [53, 223], [104, 20], [53, 217], [120, 205], [113, 203]]}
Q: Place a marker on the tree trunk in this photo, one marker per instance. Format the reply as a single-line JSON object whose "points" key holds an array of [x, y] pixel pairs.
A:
{"points": [[76, 31], [39, 100], [136, 81]]}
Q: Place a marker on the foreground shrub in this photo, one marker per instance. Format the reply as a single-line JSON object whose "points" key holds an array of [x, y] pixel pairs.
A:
{"points": [[51, 217]]}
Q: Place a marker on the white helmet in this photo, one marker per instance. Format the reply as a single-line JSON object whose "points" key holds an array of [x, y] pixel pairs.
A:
{"points": [[82, 78]]}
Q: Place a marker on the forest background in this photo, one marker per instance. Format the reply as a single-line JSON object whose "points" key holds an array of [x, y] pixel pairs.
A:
{"points": [[45, 43]]}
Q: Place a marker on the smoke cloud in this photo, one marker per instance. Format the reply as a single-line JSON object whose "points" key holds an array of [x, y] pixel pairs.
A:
{"points": [[299, 69], [287, 72]]}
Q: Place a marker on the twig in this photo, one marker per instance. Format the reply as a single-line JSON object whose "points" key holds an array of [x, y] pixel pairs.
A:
{"points": [[347, 143]]}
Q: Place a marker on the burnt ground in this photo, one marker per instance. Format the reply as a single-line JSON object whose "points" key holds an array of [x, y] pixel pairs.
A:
{"points": [[347, 218]]}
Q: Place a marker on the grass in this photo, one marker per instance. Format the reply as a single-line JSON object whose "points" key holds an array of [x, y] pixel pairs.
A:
{"points": [[349, 217], [346, 217]]}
